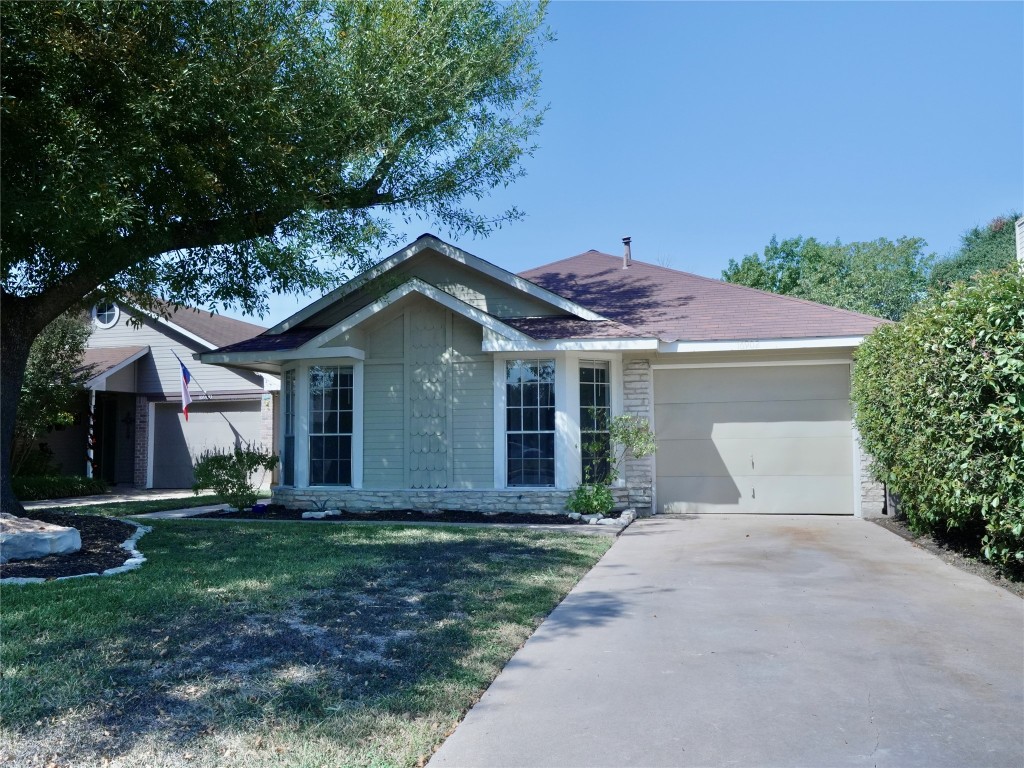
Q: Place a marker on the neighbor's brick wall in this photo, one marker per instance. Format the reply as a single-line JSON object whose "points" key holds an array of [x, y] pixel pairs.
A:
{"points": [[637, 388], [141, 441]]}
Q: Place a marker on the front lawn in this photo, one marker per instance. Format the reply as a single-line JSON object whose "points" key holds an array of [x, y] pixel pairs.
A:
{"points": [[283, 644]]}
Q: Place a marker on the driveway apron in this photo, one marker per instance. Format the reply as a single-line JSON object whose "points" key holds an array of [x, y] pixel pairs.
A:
{"points": [[761, 641]]}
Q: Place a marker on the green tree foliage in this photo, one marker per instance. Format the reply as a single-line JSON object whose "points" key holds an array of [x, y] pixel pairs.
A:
{"points": [[54, 380], [982, 249], [881, 277], [939, 402], [203, 152]]}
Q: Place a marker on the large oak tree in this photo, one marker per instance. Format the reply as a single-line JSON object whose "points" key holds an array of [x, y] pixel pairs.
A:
{"points": [[205, 152]]}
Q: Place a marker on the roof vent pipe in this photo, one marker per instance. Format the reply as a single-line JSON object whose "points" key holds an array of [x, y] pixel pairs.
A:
{"points": [[627, 256]]}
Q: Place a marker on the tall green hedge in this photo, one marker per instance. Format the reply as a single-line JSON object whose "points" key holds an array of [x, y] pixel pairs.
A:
{"points": [[939, 401]]}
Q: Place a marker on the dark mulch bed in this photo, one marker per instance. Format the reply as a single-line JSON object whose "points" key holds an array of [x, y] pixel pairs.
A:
{"points": [[101, 548], [278, 512], [960, 554]]}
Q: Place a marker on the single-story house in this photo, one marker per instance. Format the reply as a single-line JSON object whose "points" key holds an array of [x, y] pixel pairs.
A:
{"points": [[131, 429], [437, 380]]}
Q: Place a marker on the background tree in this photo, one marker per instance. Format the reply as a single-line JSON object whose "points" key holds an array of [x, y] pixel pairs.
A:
{"points": [[205, 152], [54, 380], [982, 249], [880, 277]]}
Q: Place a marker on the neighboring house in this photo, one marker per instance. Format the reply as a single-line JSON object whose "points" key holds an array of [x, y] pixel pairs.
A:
{"points": [[438, 380], [139, 434]]}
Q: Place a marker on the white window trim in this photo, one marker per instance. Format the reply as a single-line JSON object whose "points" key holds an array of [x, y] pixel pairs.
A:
{"points": [[302, 422], [568, 453], [98, 323]]}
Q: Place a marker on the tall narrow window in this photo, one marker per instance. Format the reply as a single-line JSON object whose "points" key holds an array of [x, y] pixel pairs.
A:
{"points": [[289, 428], [330, 425], [530, 422], [595, 417]]}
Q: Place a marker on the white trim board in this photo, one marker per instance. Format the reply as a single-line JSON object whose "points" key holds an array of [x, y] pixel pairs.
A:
{"points": [[752, 345], [751, 364], [429, 242]]}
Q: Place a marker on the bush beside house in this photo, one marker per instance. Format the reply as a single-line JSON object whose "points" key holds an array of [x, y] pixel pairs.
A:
{"points": [[939, 402]]}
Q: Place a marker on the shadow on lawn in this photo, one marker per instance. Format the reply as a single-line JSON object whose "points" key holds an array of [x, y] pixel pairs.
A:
{"points": [[384, 636]]}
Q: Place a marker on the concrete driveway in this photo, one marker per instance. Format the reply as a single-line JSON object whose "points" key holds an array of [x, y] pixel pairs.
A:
{"points": [[761, 641]]}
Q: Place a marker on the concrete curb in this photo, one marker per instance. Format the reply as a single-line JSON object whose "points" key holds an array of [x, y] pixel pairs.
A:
{"points": [[135, 560]]}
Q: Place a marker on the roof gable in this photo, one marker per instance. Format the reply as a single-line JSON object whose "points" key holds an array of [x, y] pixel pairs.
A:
{"points": [[679, 306], [465, 276]]}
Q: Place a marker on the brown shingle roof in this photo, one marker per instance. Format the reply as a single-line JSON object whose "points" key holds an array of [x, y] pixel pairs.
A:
{"points": [[274, 342], [679, 306], [101, 359], [569, 327], [216, 329]]}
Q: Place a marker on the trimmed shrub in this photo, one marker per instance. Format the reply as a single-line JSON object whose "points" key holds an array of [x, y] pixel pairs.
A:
{"points": [[230, 474], [591, 499], [939, 401], [29, 488]]}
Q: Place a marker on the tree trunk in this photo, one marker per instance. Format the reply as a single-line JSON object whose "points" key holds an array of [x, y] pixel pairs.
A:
{"points": [[21, 320]]}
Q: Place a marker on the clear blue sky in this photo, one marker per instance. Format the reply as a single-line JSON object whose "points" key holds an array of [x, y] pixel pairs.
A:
{"points": [[702, 129]]}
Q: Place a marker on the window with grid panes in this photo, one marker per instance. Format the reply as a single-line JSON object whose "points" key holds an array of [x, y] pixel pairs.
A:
{"points": [[530, 422], [289, 428], [595, 417], [330, 425]]}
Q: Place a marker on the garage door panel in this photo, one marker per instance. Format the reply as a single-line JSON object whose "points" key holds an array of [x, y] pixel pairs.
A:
{"points": [[744, 494], [760, 440], [821, 418], [723, 457], [178, 443], [730, 385]]}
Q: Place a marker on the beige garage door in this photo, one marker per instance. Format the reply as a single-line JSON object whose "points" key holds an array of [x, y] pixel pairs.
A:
{"points": [[761, 440], [177, 443]]}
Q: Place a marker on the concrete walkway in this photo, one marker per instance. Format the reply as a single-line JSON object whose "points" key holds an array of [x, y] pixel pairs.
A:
{"points": [[761, 641], [115, 495]]}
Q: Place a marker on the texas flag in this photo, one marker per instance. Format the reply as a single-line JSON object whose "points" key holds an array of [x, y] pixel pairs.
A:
{"points": [[186, 398]]}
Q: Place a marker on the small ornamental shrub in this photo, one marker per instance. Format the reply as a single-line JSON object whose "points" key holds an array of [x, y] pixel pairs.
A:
{"points": [[31, 488], [591, 499], [939, 402], [629, 434], [230, 474]]}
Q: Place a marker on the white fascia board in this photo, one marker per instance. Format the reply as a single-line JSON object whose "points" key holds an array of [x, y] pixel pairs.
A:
{"points": [[495, 343], [837, 342], [96, 381], [282, 355], [414, 285], [176, 328], [455, 254]]}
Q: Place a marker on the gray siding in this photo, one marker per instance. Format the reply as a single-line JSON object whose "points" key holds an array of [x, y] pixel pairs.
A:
{"points": [[383, 426], [473, 425], [427, 401], [158, 373]]}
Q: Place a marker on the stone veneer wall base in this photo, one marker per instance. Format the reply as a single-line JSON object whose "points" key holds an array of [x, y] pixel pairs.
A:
{"points": [[524, 500]]}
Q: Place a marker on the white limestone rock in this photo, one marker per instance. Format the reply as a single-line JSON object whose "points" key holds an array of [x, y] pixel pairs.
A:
{"points": [[320, 514], [575, 515], [23, 539]]}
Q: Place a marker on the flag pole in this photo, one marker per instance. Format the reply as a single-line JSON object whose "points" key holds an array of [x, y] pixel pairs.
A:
{"points": [[192, 376]]}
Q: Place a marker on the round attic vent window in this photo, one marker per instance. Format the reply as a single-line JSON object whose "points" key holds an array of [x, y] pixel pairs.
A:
{"points": [[105, 314]]}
